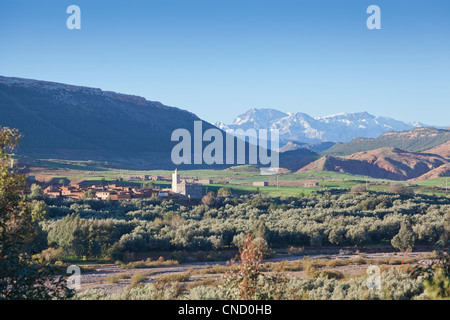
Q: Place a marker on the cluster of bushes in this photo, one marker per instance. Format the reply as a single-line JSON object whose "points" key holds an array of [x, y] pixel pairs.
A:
{"points": [[93, 228]]}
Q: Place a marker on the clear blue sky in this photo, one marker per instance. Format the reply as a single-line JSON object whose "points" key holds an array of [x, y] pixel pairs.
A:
{"points": [[218, 58]]}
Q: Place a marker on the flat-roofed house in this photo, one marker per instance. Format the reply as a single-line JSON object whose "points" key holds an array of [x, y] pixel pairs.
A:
{"points": [[311, 184], [105, 194], [53, 191], [260, 184]]}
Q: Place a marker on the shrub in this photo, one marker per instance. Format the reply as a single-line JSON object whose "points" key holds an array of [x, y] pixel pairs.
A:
{"points": [[404, 240], [148, 263], [123, 276], [296, 251], [400, 189], [209, 200], [329, 274], [137, 278], [241, 281], [360, 188], [51, 255], [177, 277], [112, 279], [205, 282]]}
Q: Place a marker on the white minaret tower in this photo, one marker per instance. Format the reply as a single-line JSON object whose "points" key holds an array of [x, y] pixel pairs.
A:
{"points": [[175, 180]]}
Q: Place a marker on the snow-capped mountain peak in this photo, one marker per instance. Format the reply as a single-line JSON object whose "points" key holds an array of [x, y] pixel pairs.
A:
{"points": [[301, 127]]}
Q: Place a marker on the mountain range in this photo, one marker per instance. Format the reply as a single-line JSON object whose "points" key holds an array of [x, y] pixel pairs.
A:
{"points": [[60, 121], [301, 128], [377, 147]]}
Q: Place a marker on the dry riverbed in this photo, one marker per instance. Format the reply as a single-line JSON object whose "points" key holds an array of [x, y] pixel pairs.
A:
{"points": [[98, 279]]}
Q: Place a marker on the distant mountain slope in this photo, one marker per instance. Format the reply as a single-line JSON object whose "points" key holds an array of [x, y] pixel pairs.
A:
{"points": [[442, 150], [442, 171], [301, 127], [416, 140], [296, 159], [79, 123], [384, 163], [290, 146], [316, 147]]}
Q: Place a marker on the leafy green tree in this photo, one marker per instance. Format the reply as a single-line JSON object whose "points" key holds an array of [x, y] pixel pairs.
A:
{"points": [[83, 237], [404, 240], [37, 193], [224, 192], [260, 229], [148, 184], [20, 276], [336, 236], [39, 211], [90, 194], [316, 240], [437, 284], [368, 204]]}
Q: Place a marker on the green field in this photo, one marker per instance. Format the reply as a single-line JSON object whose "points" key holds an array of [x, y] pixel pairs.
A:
{"points": [[239, 179]]}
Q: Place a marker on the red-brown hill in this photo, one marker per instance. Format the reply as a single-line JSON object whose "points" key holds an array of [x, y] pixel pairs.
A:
{"points": [[384, 163], [442, 171], [443, 150]]}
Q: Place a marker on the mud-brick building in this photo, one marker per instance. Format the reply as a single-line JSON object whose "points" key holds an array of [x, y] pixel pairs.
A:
{"points": [[184, 188]]}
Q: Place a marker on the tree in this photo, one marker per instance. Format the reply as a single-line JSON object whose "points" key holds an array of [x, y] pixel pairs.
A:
{"points": [[241, 282], [39, 211], [404, 240], [224, 192], [217, 242], [83, 237], [209, 199], [21, 277], [149, 185], [359, 188], [336, 235], [437, 284], [368, 204], [90, 194], [400, 189], [36, 192], [260, 229]]}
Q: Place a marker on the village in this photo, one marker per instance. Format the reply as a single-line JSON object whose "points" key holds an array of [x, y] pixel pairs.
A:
{"points": [[180, 188]]}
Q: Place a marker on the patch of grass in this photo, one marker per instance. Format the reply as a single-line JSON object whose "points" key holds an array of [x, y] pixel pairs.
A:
{"points": [[330, 274], [176, 277], [209, 282], [395, 261], [112, 279], [337, 263], [137, 278], [202, 256], [149, 263], [216, 269], [360, 260]]}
